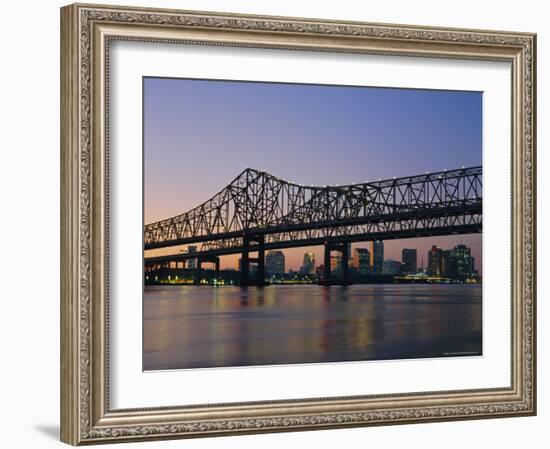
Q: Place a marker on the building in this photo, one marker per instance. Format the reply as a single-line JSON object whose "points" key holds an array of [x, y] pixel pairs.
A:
{"points": [[336, 263], [464, 260], [409, 260], [391, 266], [447, 264], [252, 266], [361, 260], [377, 256], [275, 263], [456, 263], [435, 261], [308, 266], [459, 262], [191, 263]]}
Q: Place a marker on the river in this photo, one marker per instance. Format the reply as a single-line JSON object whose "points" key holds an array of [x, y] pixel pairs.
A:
{"points": [[207, 326]]}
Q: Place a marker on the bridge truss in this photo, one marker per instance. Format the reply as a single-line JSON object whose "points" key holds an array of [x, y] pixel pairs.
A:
{"points": [[258, 211]]}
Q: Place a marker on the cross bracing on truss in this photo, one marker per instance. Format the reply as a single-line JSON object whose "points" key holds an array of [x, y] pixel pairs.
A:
{"points": [[287, 214]]}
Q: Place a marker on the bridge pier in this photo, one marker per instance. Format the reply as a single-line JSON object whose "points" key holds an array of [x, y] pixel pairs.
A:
{"points": [[246, 260], [343, 249], [326, 266], [198, 272], [345, 263], [261, 263], [206, 259]]}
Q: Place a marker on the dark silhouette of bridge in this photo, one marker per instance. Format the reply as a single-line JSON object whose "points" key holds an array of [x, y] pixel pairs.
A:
{"points": [[258, 211]]}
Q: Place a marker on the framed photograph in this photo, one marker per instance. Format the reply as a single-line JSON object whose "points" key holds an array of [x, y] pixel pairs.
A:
{"points": [[280, 224]]}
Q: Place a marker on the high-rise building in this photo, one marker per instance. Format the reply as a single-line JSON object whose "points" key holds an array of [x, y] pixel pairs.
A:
{"points": [[454, 263], [457, 263], [391, 266], [463, 261], [408, 258], [252, 266], [308, 266], [435, 267], [275, 263], [377, 256], [447, 264], [191, 263], [336, 263], [361, 260]]}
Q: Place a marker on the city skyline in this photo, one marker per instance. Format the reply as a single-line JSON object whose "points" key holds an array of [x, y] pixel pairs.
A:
{"points": [[209, 131], [444, 265], [422, 260]]}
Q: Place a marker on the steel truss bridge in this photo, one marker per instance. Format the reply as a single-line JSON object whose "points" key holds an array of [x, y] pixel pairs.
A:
{"points": [[258, 211]]}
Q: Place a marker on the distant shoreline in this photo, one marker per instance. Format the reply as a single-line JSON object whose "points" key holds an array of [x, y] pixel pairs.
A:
{"points": [[301, 284]]}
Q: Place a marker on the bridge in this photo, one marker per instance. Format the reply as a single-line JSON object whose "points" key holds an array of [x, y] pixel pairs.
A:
{"points": [[258, 211]]}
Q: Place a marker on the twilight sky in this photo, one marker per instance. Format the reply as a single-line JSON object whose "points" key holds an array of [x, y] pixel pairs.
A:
{"points": [[200, 134]]}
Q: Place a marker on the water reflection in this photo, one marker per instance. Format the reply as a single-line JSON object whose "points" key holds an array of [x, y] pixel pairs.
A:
{"points": [[198, 327]]}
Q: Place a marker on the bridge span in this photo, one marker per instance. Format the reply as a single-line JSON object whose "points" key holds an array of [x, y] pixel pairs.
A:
{"points": [[258, 211]]}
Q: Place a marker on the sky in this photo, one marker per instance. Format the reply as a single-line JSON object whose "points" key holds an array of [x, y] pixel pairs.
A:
{"points": [[200, 134]]}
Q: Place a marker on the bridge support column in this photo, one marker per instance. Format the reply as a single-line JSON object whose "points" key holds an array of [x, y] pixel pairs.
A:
{"points": [[326, 265], [198, 272], [261, 261], [246, 260], [206, 259], [345, 263], [343, 249]]}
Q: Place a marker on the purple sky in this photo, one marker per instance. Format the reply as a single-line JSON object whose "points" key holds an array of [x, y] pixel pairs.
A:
{"points": [[199, 135]]}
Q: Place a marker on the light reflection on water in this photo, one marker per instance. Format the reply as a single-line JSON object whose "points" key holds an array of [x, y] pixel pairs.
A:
{"points": [[202, 326]]}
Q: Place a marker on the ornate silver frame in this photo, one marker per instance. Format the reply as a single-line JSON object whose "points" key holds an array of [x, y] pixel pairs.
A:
{"points": [[85, 413]]}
